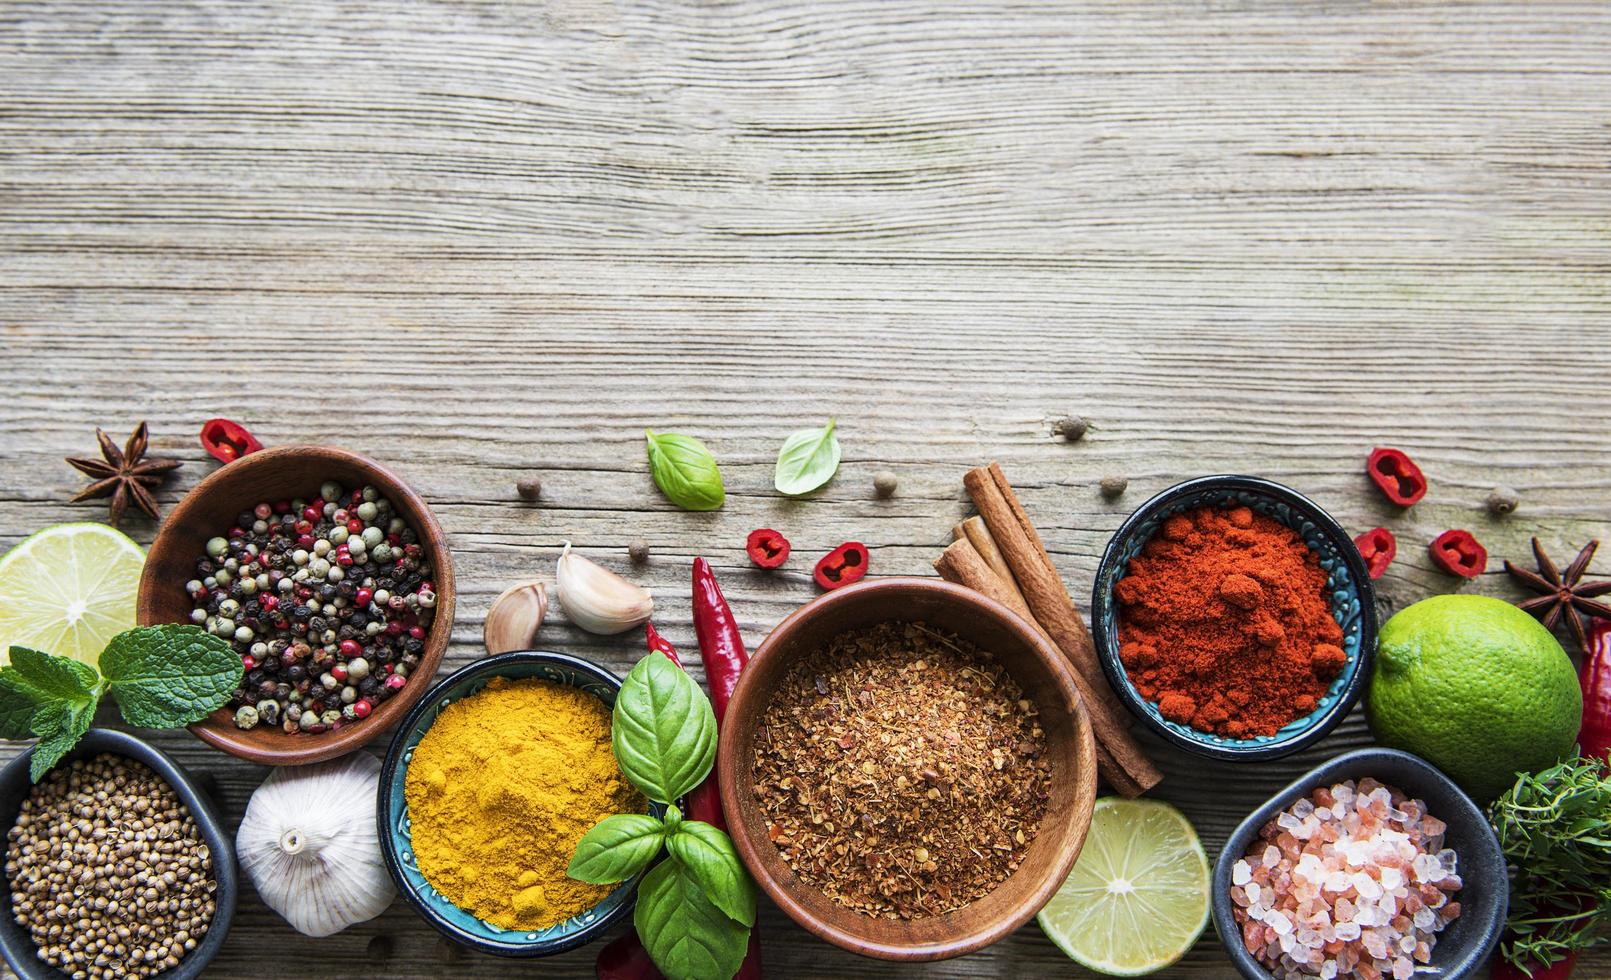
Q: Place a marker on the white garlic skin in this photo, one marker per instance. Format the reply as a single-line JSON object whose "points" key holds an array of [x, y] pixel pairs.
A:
{"points": [[308, 843], [597, 599]]}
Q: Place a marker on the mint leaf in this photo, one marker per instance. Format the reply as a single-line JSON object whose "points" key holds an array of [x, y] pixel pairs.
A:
{"points": [[18, 702], [53, 676], [59, 725], [710, 858], [687, 936], [664, 730], [617, 848], [170, 676]]}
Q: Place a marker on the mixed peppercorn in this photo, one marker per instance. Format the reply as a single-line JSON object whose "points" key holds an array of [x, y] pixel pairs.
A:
{"points": [[328, 601]]}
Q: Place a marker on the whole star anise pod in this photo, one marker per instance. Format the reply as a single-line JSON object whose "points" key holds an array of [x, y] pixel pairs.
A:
{"points": [[124, 475], [1563, 593]]}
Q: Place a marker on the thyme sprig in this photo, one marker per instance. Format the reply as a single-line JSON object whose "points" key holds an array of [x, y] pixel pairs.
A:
{"points": [[1555, 829]]}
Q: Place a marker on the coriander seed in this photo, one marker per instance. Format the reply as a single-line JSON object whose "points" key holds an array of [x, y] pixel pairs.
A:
{"points": [[884, 484]]}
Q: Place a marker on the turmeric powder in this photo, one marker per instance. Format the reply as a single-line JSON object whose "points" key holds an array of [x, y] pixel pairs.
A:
{"points": [[501, 789]]}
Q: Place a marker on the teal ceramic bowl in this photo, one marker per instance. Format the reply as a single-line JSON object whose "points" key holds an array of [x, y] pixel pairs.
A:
{"points": [[1353, 605], [394, 827]]}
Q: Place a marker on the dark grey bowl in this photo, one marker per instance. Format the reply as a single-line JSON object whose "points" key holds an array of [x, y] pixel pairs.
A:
{"points": [[1466, 943], [395, 828], [1353, 605], [18, 947]]}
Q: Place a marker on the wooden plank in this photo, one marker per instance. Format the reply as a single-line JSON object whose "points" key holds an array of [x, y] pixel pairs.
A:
{"points": [[480, 239]]}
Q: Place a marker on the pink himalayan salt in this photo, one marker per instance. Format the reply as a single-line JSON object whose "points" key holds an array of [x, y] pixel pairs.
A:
{"points": [[1352, 882]]}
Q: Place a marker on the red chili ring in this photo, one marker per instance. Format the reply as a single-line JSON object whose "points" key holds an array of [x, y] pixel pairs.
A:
{"points": [[1459, 553], [766, 547], [1396, 475], [227, 441], [842, 566], [1378, 547]]}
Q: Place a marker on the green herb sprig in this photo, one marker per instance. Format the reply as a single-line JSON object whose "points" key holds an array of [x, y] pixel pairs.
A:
{"points": [[685, 471], [1555, 829], [695, 908], [809, 458], [160, 676]]}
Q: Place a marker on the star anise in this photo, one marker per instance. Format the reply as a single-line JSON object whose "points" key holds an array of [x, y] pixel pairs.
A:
{"points": [[1563, 593], [124, 475]]}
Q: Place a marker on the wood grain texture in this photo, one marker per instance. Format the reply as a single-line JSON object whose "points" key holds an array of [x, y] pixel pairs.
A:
{"points": [[476, 239]]}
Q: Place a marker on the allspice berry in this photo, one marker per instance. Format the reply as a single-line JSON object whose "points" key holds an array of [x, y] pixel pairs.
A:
{"points": [[1071, 427], [884, 484], [1113, 486], [529, 488], [1502, 501], [638, 551]]}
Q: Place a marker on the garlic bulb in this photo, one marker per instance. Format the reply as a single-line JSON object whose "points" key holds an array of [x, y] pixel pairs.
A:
{"points": [[514, 618], [308, 843], [597, 599]]}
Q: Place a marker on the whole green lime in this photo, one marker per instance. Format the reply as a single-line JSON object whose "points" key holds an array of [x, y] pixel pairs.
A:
{"points": [[1476, 687]]}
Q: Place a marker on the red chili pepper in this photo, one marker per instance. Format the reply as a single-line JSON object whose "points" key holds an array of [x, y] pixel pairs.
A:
{"points": [[721, 645], [659, 644], [841, 566], [1377, 546], [227, 441], [1559, 970], [1397, 476], [1595, 735], [626, 959], [1458, 553], [766, 547]]}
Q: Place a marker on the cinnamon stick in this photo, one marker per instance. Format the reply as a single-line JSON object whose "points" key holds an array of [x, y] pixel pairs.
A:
{"points": [[961, 563], [1048, 600], [974, 527]]}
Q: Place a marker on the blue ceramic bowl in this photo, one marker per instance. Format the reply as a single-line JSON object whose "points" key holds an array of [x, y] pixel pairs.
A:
{"points": [[1464, 945], [15, 941], [392, 811], [1353, 605]]}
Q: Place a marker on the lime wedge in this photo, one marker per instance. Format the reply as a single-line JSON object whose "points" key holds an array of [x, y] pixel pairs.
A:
{"points": [[68, 590], [1137, 899]]}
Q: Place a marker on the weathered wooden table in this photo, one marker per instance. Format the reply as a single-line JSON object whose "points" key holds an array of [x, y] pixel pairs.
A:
{"points": [[484, 239]]}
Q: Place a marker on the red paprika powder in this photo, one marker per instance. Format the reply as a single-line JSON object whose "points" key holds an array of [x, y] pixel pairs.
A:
{"points": [[1225, 623]]}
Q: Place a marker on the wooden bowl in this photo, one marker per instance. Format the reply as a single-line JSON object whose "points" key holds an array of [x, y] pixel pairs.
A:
{"points": [[1039, 669], [210, 508]]}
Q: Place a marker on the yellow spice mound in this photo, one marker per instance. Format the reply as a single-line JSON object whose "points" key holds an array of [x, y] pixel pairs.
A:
{"points": [[501, 789]]}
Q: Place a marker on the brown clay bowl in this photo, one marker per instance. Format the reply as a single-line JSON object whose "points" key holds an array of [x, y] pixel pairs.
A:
{"points": [[1038, 668], [210, 508]]}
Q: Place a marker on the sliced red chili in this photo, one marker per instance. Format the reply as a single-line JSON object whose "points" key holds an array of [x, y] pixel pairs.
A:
{"points": [[227, 441], [1396, 475], [766, 547], [841, 566], [1458, 553], [1377, 546]]}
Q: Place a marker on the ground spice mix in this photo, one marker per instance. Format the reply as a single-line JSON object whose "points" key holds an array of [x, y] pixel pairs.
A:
{"points": [[1225, 623], [901, 771]]}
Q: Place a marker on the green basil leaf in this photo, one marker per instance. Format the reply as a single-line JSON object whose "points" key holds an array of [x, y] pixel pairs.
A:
{"points": [[685, 471], [711, 859], [664, 731], [617, 848], [687, 936], [809, 458], [170, 676], [59, 725], [53, 676]]}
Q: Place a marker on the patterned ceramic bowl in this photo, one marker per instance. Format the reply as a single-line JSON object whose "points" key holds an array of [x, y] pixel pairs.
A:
{"points": [[1352, 604], [394, 826]]}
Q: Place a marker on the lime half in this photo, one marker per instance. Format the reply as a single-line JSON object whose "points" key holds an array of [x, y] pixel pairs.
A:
{"points": [[1137, 899], [68, 590]]}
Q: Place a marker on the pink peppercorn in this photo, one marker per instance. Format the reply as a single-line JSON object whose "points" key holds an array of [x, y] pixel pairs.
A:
{"points": [[350, 649], [248, 661], [262, 511], [339, 672], [311, 514], [362, 707], [282, 507], [269, 602], [355, 526], [396, 682], [416, 632], [363, 597]]}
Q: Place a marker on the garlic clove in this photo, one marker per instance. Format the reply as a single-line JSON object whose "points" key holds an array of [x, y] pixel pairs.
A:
{"points": [[597, 599], [310, 846], [515, 617]]}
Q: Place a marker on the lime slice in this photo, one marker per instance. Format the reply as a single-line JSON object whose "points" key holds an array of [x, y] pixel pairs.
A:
{"points": [[1137, 899], [68, 590]]}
